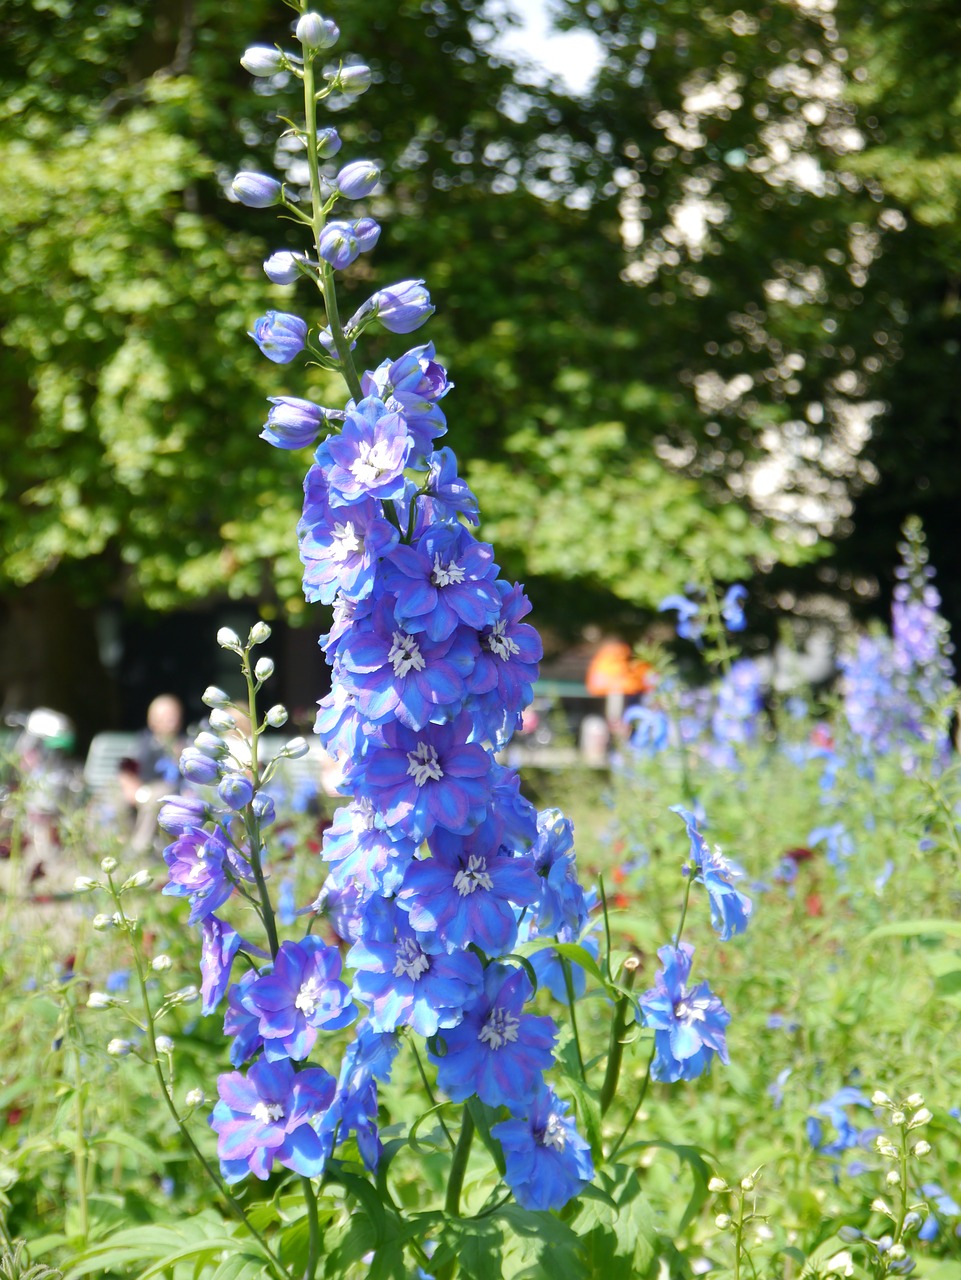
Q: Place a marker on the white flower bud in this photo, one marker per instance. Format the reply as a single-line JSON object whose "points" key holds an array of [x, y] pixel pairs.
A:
{"points": [[717, 1184], [922, 1148], [259, 632], [296, 749], [164, 1044], [161, 962], [84, 884], [195, 1097], [118, 1048], [137, 880], [186, 995], [722, 1221], [227, 638], [315, 32], [214, 696], [102, 921], [914, 1100], [881, 1206], [919, 1118], [262, 60], [892, 1178], [276, 716], [880, 1098], [885, 1146], [264, 668], [897, 1117], [100, 1000], [897, 1252], [748, 1183], [108, 865], [222, 721]]}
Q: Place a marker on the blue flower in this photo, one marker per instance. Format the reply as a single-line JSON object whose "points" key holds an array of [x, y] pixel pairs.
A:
{"points": [[497, 1051], [732, 607], [444, 580], [688, 1025], [256, 190], [548, 1162], [689, 627], [360, 850], [266, 1117], [340, 546], [652, 728], [357, 179], [368, 458], [219, 946], [280, 336], [402, 307], [292, 423], [196, 867], [338, 244], [562, 902], [240, 1024], [302, 995], [833, 1109], [730, 909]]}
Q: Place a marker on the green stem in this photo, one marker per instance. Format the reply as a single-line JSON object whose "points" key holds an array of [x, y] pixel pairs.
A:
{"points": [[569, 987], [637, 1106], [80, 1148], [251, 822], [430, 1093], [615, 1052], [689, 880], [313, 1222], [458, 1165]]}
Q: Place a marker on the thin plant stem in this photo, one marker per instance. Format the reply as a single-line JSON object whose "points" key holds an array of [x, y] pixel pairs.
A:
{"points": [[637, 1105], [80, 1147], [569, 987], [313, 1224], [430, 1094], [619, 1025]]}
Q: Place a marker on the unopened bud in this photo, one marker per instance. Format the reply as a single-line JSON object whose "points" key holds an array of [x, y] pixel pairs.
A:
{"points": [[214, 696], [748, 1183], [880, 1098], [315, 32], [897, 1252], [912, 1220], [881, 1206], [164, 1044], [353, 80], [922, 1148], [161, 962], [914, 1100], [195, 1097], [100, 1000], [222, 721], [892, 1178], [108, 865], [897, 1117], [228, 638], [186, 995], [262, 60], [102, 922], [276, 716], [137, 880], [919, 1118], [264, 668], [259, 632], [717, 1185], [722, 1221], [118, 1048], [885, 1146], [296, 749], [84, 884], [849, 1234]]}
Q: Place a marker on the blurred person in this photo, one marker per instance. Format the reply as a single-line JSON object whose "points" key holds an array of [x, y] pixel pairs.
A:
{"points": [[161, 743]]}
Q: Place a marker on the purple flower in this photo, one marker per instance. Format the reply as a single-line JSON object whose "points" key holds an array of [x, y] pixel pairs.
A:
{"points": [[366, 233], [506, 668], [280, 336], [413, 385], [328, 143], [266, 1117], [392, 673], [368, 458], [447, 495], [302, 995], [426, 778], [220, 944], [730, 909], [401, 308], [497, 1051], [732, 610], [358, 849], [548, 1162], [177, 813], [283, 267], [236, 790], [196, 766], [410, 981], [256, 190], [445, 579], [688, 1025], [195, 865], [466, 892], [357, 179], [340, 546], [562, 902], [241, 1025], [292, 423]]}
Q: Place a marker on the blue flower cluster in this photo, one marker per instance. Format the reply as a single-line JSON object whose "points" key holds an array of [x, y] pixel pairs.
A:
{"points": [[437, 857]]}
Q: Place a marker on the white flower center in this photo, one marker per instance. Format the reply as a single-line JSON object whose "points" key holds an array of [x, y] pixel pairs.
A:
{"points": [[473, 876], [445, 575], [554, 1135], [372, 462], [503, 646], [344, 541], [405, 654], [411, 961], [308, 997], [423, 765], [499, 1029], [687, 1010], [268, 1112], [364, 815]]}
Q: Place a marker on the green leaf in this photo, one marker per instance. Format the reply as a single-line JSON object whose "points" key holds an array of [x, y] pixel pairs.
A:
{"points": [[914, 929]]}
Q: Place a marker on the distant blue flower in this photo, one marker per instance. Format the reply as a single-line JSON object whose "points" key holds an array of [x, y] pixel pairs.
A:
{"points": [[689, 626], [732, 607], [833, 1110], [652, 727], [280, 336], [548, 1162], [776, 1090], [498, 1051], [688, 1025], [118, 980], [730, 909], [944, 1207]]}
